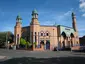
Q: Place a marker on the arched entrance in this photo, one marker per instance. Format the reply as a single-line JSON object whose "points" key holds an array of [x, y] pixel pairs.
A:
{"points": [[47, 45], [72, 36], [64, 37], [42, 42]]}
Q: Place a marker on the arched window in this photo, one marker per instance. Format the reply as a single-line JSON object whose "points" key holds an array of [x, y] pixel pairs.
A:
{"points": [[47, 34], [41, 34]]}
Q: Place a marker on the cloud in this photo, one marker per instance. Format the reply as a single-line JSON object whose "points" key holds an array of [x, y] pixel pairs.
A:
{"points": [[83, 15], [82, 29], [67, 13], [81, 0], [47, 23], [82, 7], [64, 17], [58, 18]]}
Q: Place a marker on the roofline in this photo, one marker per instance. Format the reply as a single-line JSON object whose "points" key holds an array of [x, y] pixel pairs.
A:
{"points": [[65, 26], [25, 26], [48, 25]]}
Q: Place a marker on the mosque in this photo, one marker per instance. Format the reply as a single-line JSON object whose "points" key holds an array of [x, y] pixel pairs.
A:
{"points": [[50, 36]]}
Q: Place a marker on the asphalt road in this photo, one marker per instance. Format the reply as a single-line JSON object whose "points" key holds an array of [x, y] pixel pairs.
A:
{"points": [[38, 54], [40, 57]]}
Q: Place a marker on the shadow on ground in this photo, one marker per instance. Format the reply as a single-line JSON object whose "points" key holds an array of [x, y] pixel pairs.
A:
{"points": [[29, 60]]}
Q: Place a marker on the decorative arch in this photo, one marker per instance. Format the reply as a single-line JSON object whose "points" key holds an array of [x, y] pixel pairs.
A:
{"points": [[42, 33], [47, 33], [42, 42], [64, 35], [71, 35]]}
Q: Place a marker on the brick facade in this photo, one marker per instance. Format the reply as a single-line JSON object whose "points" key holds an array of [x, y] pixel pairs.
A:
{"points": [[49, 36]]}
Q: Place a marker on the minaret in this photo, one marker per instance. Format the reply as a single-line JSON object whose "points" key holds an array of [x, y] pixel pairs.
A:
{"points": [[74, 22], [76, 38], [17, 30], [34, 28], [34, 18]]}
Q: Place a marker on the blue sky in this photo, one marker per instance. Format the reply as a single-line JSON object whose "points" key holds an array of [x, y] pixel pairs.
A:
{"points": [[50, 11]]}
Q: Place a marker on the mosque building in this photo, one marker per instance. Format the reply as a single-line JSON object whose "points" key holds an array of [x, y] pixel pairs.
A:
{"points": [[50, 36]]}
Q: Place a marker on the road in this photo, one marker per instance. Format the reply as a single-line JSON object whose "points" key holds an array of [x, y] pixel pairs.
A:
{"points": [[38, 54], [40, 57]]}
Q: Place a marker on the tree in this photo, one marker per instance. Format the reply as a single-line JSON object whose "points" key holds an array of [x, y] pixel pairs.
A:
{"points": [[35, 43], [5, 36], [22, 41]]}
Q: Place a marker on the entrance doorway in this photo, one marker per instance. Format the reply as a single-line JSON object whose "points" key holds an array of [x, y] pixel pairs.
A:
{"points": [[42, 42], [47, 45]]}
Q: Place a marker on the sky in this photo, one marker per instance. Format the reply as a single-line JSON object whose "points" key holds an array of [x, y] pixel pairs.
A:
{"points": [[50, 12]]}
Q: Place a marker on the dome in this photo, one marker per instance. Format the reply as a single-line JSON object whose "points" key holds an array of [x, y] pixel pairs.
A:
{"points": [[18, 18], [34, 11]]}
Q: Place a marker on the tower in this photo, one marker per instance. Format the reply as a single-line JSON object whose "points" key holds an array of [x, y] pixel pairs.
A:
{"points": [[17, 30], [76, 38], [34, 28], [74, 22]]}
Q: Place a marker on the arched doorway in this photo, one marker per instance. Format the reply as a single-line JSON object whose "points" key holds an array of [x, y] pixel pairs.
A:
{"points": [[72, 36], [64, 37], [47, 45], [42, 42]]}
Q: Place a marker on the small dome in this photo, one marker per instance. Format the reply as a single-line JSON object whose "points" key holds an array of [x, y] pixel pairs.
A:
{"points": [[18, 18], [34, 11], [73, 14]]}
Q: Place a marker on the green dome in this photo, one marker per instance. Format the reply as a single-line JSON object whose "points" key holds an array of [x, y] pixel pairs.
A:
{"points": [[34, 11], [18, 18]]}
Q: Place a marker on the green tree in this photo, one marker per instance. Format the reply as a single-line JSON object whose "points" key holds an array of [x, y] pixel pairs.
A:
{"points": [[5, 36], [23, 41], [35, 43]]}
